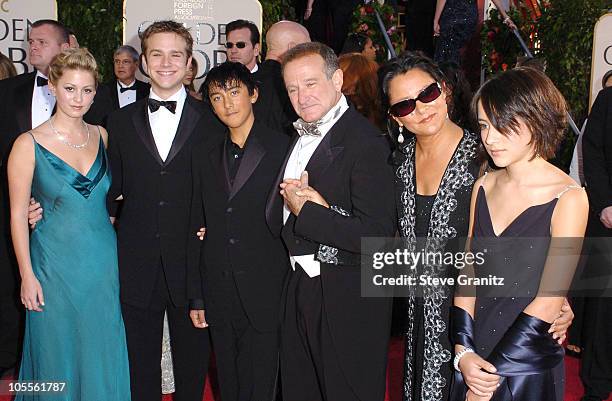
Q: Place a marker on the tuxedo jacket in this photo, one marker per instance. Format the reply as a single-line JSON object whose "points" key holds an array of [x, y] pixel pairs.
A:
{"points": [[106, 101], [239, 249], [16, 108], [153, 226], [350, 170], [597, 152], [273, 107], [15, 118]]}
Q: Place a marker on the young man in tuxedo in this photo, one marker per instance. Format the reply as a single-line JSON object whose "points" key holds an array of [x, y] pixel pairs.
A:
{"points": [[150, 143], [243, 263], [337, 188], [27, 103], [123, 90]]}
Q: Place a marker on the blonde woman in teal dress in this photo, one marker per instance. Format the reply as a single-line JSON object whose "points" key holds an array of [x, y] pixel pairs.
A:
{"points": [[69, 280]]}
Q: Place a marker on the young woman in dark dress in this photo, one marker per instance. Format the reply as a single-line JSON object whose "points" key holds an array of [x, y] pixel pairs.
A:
{"points": [[530, 217], [437, 165]]}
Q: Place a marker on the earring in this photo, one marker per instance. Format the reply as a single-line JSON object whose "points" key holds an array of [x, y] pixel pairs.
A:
{"points": [[400, 137]]}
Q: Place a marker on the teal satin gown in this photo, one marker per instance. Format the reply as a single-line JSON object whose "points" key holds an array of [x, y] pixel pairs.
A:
{"points": [[79, 338]]}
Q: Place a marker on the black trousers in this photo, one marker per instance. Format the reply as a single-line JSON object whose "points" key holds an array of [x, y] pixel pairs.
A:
{"points": [[247, 359], [11, 334], [310, 370], [12, 316], [596, 362], [190, 347]]}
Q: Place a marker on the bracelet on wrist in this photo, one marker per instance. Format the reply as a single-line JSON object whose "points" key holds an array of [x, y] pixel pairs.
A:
{"points": [[460, 355]]}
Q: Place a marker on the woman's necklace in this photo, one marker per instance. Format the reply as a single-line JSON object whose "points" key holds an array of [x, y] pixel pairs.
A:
{"points": [[65, 141]]}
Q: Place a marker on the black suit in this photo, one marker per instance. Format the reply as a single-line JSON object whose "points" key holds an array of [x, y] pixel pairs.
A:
{"points": [[334, 341], [596, 367], [273, 107], [106, 101], [243, 264], [15, 118], [152, 237]]}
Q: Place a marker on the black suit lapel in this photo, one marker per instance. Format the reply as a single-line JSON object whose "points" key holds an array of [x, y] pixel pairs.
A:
{"points": [[189, 119], [23, 103], [329, 148], [218, 159], [142, 90], [253, 153], [114, 95], [275, 201], [322, 158], [141, 123]]}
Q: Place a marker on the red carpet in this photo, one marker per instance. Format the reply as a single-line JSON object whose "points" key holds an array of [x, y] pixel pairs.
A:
{"points": [[573, 389]]}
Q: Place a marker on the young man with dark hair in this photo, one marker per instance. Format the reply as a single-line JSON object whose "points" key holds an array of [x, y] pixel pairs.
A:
{"points": [[150, 143], [242, 43], [243, 263], [27, 103]]}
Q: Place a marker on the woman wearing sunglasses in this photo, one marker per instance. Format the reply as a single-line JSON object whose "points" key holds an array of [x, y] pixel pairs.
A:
{"points": [[437, 167], [436, 170]]}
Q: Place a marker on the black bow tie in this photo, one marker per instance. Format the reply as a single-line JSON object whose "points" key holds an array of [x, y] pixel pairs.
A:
{"points": [[128, 88], [154, 105], [40, 81]]}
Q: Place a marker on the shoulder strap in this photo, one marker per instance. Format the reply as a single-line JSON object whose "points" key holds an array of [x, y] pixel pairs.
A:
{"points": [[567, 188], [484, 178]]}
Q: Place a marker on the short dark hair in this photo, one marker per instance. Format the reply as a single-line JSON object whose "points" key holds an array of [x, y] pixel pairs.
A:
{"points": [[167, 26], [313, 49], [354, 43], [528, 95], [240, 24], [227, 74], [61, 30]]}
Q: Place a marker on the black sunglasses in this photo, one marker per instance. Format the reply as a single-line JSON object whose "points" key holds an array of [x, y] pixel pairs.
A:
{"points": [[240, 45], [405, 107]]}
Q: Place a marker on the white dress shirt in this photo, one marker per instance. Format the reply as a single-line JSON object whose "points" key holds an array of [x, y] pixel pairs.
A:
{"points": [[298, 160], [164, 124], [127, 97], [255, 69], [43, 102]]}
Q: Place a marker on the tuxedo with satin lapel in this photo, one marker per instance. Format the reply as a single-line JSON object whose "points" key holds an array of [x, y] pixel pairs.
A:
{"points": [[154, 217], [15, 118], [350, 170], [242, 264], [152, 233], [106, 101], [238, 241]]}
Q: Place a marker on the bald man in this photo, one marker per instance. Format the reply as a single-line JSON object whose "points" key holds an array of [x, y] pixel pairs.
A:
{"points": [[273, 107]]}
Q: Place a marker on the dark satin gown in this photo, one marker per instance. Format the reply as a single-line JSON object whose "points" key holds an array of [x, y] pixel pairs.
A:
{"points": [[518, 345]]}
